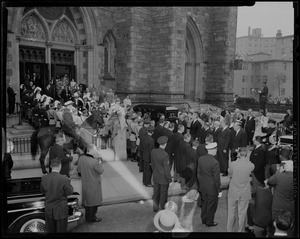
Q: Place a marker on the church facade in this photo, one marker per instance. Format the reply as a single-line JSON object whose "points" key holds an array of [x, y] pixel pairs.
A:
{"points": [[153, 54]]}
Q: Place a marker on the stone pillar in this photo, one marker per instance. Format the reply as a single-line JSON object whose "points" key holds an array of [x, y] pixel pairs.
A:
{"points": [[48, 59], [77, 62], [90, 62], [16, 79]]}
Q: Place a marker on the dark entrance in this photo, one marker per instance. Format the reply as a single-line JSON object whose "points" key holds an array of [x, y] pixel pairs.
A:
{"points": [[62, 62], [32, 60]]}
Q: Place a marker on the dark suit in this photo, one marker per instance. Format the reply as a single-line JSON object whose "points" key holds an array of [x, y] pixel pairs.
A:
{"points": [[161, 177], [216, 133], [258, 158], [57, 151], [158, 131], [146, 146], [190, 173], [65, 95], [184, 123], [195, 129], [208, 174], [238, 140], [142, 134], [11, 100], [168, 148], [263, 99], [201, 150], [203, 133], [224, 141], [177, 138], [56, 188], [250, 129]]}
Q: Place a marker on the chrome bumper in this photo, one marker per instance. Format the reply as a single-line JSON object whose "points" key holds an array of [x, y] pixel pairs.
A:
{"points": [[75, 217]]}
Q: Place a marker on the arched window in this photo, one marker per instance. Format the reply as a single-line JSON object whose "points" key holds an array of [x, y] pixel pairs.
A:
{"points": [[109, 56]]}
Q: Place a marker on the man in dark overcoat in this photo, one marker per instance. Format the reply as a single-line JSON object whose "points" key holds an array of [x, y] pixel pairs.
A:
{"points": [[11, 99], [250, 127], [90, 170], [224, 141], [201, 149], [56, 188], [143, 132], [195, 126], [158, 132], [58, 151], [239, 139], [263, 97], [258, 158], [169, 132], [177, 138], [185, 154], [146, 146], [161, 174], [208, 174], [217, 129]]}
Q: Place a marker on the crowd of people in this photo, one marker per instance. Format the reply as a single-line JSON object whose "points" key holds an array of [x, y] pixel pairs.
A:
{"points": [[196, 150]]}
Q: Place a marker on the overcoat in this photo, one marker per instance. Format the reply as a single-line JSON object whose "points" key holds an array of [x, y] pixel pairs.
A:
{"points": [[90, 170]]}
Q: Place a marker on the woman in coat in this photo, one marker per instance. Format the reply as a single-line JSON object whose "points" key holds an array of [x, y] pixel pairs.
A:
{"points": [[90, 170]]}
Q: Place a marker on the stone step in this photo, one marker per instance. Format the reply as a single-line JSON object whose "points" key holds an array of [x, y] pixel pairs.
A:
{"points": [[10, 135], [23, 131], [23, 127]]}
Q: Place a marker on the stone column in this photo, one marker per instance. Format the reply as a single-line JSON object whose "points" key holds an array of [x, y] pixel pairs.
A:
{"points": [[90, 49], [48, 59], [77, 62], [17, 66]]}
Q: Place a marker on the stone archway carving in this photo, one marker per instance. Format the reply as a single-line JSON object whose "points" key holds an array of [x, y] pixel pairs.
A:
{"points": [[64, 32], [193, 82]]}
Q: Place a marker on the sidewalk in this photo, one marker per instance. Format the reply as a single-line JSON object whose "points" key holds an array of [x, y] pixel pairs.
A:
{"points": [[121, 182]]}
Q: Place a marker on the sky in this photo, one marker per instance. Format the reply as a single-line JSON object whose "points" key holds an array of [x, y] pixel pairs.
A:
{"points": [[269, 16]]}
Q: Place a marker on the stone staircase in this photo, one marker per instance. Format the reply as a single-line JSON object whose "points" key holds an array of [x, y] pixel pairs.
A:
{"points": [[19, 131], [196, 106]]}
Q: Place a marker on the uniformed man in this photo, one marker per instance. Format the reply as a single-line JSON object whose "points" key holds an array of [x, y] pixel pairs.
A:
{"points": [[146, 146], [142, 133], [208, 174], [161, 174]]}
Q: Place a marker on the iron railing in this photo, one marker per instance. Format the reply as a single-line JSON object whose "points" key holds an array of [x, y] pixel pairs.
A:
{"points": [[23, 145]]}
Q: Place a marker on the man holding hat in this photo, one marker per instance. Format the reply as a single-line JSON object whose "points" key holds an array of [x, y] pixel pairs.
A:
{"points": [[56, 188], [208, 174], [146, 146], [161, 174]]}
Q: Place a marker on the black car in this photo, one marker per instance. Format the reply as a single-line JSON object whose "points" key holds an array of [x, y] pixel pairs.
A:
{"points": [[156, 111], [26, 206]]}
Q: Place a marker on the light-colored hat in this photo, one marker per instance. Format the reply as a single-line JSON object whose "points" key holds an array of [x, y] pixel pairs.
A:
{"points": [[70, 102], [76, 94], [172, 206], [191, 196], [166, 221], [9, 146], [56, 103], [288, 165], [36, 89], [211, 146]]}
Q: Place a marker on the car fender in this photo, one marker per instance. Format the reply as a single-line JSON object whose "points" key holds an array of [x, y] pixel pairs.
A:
{"points": [[37, 212]]}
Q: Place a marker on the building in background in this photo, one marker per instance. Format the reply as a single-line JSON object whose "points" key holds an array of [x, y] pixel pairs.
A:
{"points": [[153, 54], [261, 59]]}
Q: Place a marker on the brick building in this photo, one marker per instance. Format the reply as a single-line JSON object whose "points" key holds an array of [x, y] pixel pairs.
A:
{"points": [[156, 54], [271, 60]]}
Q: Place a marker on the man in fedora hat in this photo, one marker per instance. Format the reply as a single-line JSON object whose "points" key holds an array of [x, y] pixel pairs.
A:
{"points": [[166, 221], [56, 188], [239, 139], [161, 174], [208, 174], [146, 146]]}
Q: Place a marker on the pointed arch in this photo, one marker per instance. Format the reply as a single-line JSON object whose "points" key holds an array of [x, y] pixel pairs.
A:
{"points": [[109, 43], [33, 26], [193, 80], [64, 32]]}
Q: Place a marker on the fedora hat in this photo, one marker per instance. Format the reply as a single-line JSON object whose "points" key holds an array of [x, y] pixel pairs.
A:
{"points": [[191, 196], [166, 221], [70, 102]]}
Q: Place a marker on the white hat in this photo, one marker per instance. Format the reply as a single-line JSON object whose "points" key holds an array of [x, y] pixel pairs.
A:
{"points": [[9, 146], [76, 94], [166, 221], [56, 103], [191, 196], [211, 146], [172, 206], [36, 89], [70, 102]]}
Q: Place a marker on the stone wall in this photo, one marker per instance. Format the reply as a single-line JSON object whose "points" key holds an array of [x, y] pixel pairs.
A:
{"points": [[220, 54]]}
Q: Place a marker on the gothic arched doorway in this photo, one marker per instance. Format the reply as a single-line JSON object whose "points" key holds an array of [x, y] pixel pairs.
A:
{"points": [[193, 78]]}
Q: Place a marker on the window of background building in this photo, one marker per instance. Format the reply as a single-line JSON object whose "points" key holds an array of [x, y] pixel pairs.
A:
{"points": [[282, 91], [243, 91], [265, 66], [283, 51], [284, 66], [244, 79], [283, 79], [251, 79], [257, 79], [265, 78]]}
